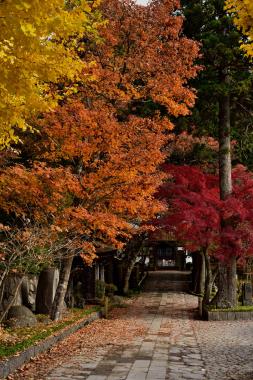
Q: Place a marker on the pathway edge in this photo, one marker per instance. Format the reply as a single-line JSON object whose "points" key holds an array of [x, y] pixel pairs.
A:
{"points": [[9, 365]]}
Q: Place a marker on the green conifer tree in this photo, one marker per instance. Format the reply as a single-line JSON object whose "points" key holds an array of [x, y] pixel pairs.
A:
{"points": [[224, 97]]}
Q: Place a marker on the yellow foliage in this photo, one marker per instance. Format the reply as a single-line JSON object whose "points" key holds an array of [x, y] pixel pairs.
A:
{"points": [[243, 19], [38, 47]]}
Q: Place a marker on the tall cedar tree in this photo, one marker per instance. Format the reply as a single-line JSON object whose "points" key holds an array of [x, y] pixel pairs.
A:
{"points": [[108, 139], [209, 23], [224, 89]]}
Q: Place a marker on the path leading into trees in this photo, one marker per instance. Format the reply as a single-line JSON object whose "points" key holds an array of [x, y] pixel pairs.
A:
{"points": [[172, 345], [167, 280]]}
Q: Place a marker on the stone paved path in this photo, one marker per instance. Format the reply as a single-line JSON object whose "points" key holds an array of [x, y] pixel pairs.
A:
{"points": [[175, 347], [169, 350], [165, 281]]}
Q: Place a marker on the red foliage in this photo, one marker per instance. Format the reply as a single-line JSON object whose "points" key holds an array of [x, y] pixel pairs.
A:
{"points": [[196, 211]]}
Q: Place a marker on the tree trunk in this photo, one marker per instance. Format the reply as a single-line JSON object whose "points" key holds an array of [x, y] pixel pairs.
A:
{"points": [[226, 296], [208, 279], [2, 288], [197, 261], [3, 276], [57, 307], [133, 249], [202, 277], [128, 272], [232, 286], [225, 167]]}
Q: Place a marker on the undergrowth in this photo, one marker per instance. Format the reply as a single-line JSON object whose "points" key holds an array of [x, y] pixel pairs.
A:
{"points": [[14, 340]]}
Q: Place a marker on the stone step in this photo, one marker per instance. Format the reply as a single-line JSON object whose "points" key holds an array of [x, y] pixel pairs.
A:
{"points": [[164, 281]]}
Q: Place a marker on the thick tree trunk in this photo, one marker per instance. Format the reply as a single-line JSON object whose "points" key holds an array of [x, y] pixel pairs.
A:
{"points": [[226, 296], [57, 307]]}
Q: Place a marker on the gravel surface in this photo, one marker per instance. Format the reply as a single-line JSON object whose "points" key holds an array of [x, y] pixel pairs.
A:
{"points": [[227, 348]]}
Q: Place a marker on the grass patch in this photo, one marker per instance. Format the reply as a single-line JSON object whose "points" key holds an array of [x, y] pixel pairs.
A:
{"points": [[13, 340], [237, 308]]}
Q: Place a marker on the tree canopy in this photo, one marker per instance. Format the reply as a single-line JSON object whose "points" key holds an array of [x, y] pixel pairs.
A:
{"points": [[38, 47], [195, 211], [209, 23], [243, 19], [93, 168]]}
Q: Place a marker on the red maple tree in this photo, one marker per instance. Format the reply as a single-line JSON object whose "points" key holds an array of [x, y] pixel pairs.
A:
{"points": [[196, 213]]}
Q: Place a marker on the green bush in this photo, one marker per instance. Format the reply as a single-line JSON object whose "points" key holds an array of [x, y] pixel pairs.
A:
{"points": [[110, 289]]}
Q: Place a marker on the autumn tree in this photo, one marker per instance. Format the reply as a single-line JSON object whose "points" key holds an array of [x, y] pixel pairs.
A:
{"points": [[114, 168], [145, 82], [210, 24], [242, 10], [29, 239], [38, 48], [100, 151], [226, 111], [101, 187], [196, 213], [135, 73]]}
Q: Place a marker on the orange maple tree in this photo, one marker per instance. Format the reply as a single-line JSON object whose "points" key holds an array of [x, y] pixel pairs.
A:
{"points": [[111, 135], [91, 173], [145, 58]]}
